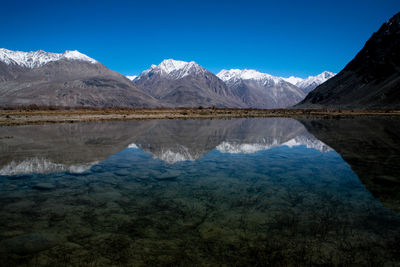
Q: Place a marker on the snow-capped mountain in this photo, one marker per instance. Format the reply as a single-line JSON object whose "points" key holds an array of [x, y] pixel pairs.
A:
{"points": [[261, 90], [67, 79], [236, 75], [310, 83], [39, 58], [175, 69], [186, 84]]}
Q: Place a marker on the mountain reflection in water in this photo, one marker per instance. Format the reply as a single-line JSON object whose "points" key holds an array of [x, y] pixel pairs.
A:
{"points": [[198, 192], [372, 148]]}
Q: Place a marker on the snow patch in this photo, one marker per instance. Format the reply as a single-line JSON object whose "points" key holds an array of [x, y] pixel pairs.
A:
{"points": [[132, 77], [244, 148], [309, 143], [172, 157], [133, 146]]}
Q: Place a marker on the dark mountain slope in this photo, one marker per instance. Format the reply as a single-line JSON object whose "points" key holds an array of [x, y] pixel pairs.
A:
{"points": [[370, 80]]}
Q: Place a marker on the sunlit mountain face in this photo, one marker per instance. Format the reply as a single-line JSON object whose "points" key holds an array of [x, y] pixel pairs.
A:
{"points": [[223, 191]]}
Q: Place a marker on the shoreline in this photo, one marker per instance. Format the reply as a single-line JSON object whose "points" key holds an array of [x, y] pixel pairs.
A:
{"points": [[25, 117]]}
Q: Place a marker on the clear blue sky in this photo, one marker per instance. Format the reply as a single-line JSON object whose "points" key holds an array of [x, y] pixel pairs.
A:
{"points": [[278, 37]]}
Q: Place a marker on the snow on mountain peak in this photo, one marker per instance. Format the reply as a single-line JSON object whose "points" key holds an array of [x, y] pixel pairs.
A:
{"points": [[39, 58], [170, 65], [76, 55], [234, 75], [293, 80], [175, 69], [132, 77], [326, 75], [311, 82]]}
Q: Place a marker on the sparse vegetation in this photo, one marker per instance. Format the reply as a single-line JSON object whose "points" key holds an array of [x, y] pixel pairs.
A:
{"points": [[34, 114]]}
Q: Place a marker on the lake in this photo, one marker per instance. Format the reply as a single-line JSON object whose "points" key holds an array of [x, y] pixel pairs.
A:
{"points": [[244, 192]]}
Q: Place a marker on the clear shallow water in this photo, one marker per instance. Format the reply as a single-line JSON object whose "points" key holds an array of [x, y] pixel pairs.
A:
{"points": [[186, 192]]}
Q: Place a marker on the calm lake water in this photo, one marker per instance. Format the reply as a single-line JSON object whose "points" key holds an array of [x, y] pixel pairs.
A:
{"points": [[244, 192]]}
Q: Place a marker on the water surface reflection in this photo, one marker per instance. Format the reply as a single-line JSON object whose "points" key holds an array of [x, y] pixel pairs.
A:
{"points": [[185, 192]]}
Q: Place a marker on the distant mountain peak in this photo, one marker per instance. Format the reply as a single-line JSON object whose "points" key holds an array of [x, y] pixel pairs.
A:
{"points": [[293, 80], [311, 82], [170, 65], [39, 58], [233, 75], [175, 69], [324, 75]]}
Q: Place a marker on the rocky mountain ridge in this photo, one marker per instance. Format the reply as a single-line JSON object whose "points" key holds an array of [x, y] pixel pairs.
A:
{"points": [[74, 79]]}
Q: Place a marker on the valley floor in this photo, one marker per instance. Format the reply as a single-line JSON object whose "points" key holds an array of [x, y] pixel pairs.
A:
{"points": [[42, 116]]}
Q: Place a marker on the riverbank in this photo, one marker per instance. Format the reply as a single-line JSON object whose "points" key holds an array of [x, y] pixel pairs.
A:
{"points": [[24, 116]]}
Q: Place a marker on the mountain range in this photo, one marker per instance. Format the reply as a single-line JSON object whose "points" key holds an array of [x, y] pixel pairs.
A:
{"points": [[187, 84], [370, 80], [74, 79]]}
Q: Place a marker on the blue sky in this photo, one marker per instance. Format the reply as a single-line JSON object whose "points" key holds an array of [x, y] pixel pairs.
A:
{"points": [[282, 38]]}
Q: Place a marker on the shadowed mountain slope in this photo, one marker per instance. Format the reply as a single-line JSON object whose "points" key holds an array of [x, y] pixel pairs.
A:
{"points": [[371, 80]]}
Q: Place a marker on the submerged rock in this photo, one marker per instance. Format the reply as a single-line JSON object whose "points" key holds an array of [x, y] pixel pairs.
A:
{"points": [[122, 172], [43, 186], [170, 175]]}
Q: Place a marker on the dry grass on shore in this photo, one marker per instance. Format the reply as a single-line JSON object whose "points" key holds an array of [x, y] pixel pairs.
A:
{"points": [[39, 115]]}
